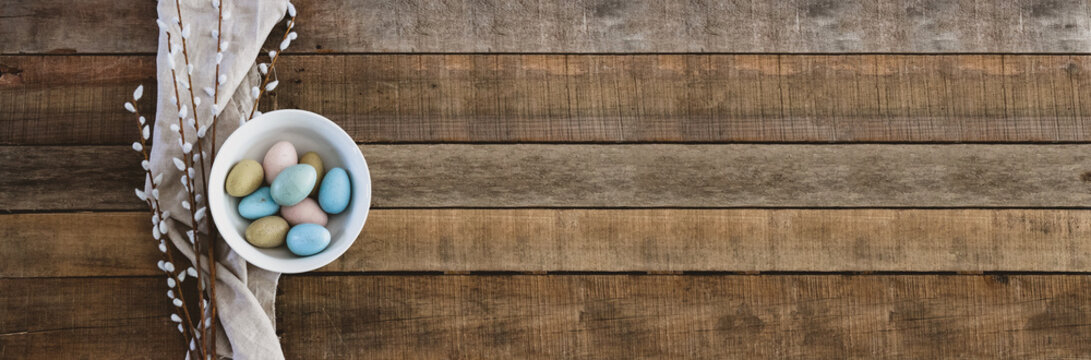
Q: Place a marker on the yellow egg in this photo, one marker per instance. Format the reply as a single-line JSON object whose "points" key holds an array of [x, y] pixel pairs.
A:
{"points": [[312, 159], [244, 178], [267, 232]]}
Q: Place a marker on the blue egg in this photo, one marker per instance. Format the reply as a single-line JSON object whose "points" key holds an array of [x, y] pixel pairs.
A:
{"points": [[258, 204], [293, 184], [308, 239], [335, 192]]}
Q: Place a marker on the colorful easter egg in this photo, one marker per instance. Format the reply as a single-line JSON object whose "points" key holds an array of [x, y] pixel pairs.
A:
{"points": [[308, 239], [312, 159], [279, 157], [293, 184], [267, 232], [244, 178], [306, 211], [258, 204], [335, 191]]}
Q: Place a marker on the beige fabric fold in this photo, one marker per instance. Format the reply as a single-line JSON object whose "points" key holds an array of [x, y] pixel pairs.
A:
{"points": [[245, 294]]}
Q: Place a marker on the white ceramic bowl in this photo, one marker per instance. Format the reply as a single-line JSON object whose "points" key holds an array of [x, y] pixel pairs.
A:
{"points": [[308, 132]]}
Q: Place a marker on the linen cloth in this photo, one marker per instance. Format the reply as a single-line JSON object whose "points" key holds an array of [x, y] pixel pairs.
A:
{"points": [[245, 294]]}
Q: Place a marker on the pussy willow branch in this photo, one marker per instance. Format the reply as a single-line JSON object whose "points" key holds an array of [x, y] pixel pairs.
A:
{"points": [[216, 79], [188, 162], [153, 203], [215, 116], [272, 64], [199, 144]]}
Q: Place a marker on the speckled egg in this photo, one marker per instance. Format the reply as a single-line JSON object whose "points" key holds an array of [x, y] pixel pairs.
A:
{"points": [[279, 157], [335, 192], [258, 204], [293, 184], [312, 159], [308, 239], [306, 211], [244, 178], [267, 232]]}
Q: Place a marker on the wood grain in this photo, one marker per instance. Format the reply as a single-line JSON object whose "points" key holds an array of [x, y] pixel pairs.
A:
{"points": [[627, 317], [618, 240], [72, 100], [585, 316], [44, 178], [599, 98], [87, 318], [69, 178], [589, 26]]}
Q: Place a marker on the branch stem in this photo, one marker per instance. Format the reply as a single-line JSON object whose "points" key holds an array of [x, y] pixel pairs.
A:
{"points": [[269, 73], [187, 332]]}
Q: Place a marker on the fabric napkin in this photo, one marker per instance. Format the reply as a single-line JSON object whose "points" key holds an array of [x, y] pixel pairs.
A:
{"points": [[245, 294]]}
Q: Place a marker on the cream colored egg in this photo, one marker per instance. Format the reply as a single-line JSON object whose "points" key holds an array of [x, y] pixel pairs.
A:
{"points": [[279, 157]]}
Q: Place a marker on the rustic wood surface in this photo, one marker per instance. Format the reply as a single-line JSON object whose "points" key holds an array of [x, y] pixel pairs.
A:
{"points": [[459, 26], [699, 188], [583, 240], [585, 316], [651, 175], [87, 318], [600, 98], [626, 317]]}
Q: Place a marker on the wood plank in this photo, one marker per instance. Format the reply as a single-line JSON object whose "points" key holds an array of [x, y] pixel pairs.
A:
{"points": [[72, 99], [585, 316], [45, 178], [69, 178], [90, 318], [589, 26], [77, 244], [618, 240], [599, 98], [614, 317]]}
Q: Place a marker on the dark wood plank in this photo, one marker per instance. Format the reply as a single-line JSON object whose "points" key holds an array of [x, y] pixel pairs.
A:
{"points": [[69, 178], [599, 98], [87, 318], [796, 26], [586, 316], [653, 240], [72, 99]]}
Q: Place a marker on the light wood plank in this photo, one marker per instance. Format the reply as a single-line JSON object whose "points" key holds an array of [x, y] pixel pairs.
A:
{"points": [[578, 240], [47, 178], [589, 26], [599, 98], [586, 316]]}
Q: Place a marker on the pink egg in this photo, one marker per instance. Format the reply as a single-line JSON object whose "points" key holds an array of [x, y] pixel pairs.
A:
{"points": [[280, 157], [305, 212]]}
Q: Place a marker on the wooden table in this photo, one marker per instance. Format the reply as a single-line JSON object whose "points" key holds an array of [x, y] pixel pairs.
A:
{"points": [[600, 179]]}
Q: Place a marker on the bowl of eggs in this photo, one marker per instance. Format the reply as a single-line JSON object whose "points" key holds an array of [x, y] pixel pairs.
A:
{"points": [[290, 191]]}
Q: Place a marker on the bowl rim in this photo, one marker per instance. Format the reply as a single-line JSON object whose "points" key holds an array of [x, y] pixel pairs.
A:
{"points": [[253, 255]]}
